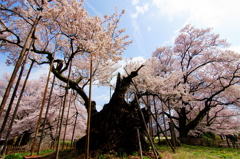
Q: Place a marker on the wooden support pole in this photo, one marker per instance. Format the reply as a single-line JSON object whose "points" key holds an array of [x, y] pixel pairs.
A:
{"points": [[65, 130], [45, 118], [164, 135], [61, 123], [151, 114], [13, 96], [58, 121], [63, 109], [16, 109], [173, 135], [41, 110], [139, 143], [145, 126], [18, 64], [89, 114], [163, 116], [228, 142], [74, 127], [156, 116]]}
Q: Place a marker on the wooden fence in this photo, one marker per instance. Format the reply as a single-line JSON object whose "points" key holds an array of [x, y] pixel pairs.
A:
{"points": [[11, 149], [225, 142]]}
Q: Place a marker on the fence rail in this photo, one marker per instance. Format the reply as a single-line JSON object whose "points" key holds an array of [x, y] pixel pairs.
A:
{"points": [[11, 149]]}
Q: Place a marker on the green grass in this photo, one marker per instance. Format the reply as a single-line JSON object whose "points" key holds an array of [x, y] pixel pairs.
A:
{"points": [[183, 152], [21, 155], [199, 152]]}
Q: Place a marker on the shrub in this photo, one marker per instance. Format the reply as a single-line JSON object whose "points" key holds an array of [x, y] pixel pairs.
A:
{"points": [[14, 156], [209, 139]]}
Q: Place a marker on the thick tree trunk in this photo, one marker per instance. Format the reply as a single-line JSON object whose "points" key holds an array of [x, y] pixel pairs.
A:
{"points": [[114, 127], [183, 131], [185, 127]]}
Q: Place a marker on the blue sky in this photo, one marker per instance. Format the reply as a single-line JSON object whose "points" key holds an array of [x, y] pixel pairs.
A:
{"points": [[154, 23]]}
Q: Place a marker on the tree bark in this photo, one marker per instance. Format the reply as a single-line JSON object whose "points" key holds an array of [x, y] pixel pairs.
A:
{"points": [[185, 127], [114, 127]]}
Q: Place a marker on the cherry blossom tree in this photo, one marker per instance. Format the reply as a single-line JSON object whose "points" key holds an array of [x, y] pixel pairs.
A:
{"points": [[202, 76], [196, 81], [221, 120], [66, 36], [25, 121]]}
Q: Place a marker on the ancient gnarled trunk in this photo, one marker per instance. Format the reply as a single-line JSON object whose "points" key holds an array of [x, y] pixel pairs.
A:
{"points": [[114, 127]]}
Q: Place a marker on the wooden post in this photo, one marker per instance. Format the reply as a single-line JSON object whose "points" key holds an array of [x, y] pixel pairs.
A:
{"points": [[156, 116], [74, 129], [65, 130], [163, 116], [89, 114], [58, 120], [173, 136], [17, 66], [151, 114], [46, 113], [228, 142], [139, 143], [16, 109], [41, 110], [63, 109], [14, 94], [145, 125]]}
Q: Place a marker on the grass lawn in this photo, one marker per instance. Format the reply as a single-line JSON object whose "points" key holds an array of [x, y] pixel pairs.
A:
{"points": [[199, 152], [183, 152]]}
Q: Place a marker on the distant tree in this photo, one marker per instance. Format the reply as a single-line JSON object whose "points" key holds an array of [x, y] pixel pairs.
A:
{"points": [[200, 75], [26, 119], [196, 81], [219, 120]]}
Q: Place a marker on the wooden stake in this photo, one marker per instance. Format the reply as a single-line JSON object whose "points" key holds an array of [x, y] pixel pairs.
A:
{"points": [[156, 116], [45, 118], [65, 130], [89, 114], [74, 129], [16, 109], [63, 109], [18, 64], [41, 110], [13, 96], [75, 121], [151, 113], [145, 125], [59, 116], [139, 143]]}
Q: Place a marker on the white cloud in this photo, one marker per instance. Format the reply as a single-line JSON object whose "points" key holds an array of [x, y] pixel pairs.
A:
{"points": [[209, 12], [149, 28], [146, 7], [140, 10], [235, 48], [135, 2], [134, 15], [221, 15]]}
